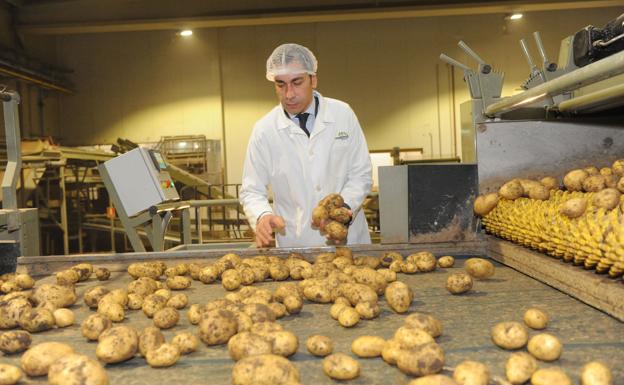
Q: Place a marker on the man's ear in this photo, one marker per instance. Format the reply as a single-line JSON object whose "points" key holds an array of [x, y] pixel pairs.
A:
{"points": [[314, 81]]}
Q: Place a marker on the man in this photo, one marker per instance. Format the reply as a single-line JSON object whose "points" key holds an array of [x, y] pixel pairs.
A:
{"points": [[305, 148]]}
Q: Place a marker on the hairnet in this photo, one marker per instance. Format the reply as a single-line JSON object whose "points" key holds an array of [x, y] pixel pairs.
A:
{"points": [[290, 59]]}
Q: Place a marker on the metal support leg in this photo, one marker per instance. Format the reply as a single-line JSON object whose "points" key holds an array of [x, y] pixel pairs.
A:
{"points": [[186, 226], [64, 224]]}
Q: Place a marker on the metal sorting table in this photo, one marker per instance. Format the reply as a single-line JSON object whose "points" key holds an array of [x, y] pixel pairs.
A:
{"points": [[586, 333]]}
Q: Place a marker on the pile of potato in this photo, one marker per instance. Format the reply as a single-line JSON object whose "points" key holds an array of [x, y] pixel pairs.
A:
{"points": [[331, 217]]}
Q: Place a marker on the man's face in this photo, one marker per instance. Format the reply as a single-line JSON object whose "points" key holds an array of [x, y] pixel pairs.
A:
{"points": [[295, 91]]}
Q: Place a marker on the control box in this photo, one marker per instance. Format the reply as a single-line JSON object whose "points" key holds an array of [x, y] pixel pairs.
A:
{"points": [[140, 179]]}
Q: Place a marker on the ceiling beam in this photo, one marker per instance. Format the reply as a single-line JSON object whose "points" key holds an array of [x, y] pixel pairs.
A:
{"points": [[311, 17]]}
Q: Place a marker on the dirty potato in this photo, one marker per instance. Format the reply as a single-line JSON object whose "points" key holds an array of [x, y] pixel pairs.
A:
{"points": [[594, 183], [293, 304], [179, 282], [166, 318], [446, 261], [411, 337], [102, 274], [390, 351], [348, 317], [550, 182], [164, 356], [471, 373], [246, 344], [24, 281], [285, 343], [150, 338], [37, 360], [596, 373], [535, 319], [573, 208], [607, 199], [368, 310], [509, 335], [545, 347], [458, 283], [36, 320], [511, 190], [426, 322], [264, 369], [399, 296], [94, 325], [421, 360], [186, 342], [77, 369], [336, 231], [519, 367], [573, 180], [217, 327], [368, 346], [479, 268], [339, 366], [15, 341], [117, 344], [320, 346]]}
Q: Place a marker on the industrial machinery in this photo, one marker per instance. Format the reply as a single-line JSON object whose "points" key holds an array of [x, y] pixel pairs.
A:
{"points": [[19, 225]]}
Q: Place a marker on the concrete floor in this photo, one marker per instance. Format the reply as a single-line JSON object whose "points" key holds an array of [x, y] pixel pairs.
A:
{"points": [[587, 334]]}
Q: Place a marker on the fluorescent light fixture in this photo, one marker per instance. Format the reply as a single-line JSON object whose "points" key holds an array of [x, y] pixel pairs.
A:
{"points": [[515, 16], [186, 32]]}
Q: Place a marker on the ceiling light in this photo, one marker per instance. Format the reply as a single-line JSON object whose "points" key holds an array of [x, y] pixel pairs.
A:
{"points": [[515, 16], [188, 32]]}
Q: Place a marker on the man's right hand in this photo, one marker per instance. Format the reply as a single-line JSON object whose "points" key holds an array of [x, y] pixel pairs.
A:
{"points": [[265, 227]]}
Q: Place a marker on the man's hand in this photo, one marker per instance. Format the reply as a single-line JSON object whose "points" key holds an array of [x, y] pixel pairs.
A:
{"points": [[265, 227]]}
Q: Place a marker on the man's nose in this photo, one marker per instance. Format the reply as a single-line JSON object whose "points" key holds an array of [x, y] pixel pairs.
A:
{"points": [[290, 91]]}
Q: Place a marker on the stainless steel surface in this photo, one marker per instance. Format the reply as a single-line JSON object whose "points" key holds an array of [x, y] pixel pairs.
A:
{"points": [[599, 70], [393, 204], [14, 152], [516, 149]]}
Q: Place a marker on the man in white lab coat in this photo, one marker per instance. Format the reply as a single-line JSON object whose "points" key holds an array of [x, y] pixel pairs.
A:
{"points": [[305, 148]]}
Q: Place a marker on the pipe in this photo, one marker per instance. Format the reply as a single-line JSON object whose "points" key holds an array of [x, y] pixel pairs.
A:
{"points": [[454, 62], [591, 73], [470, 52], [30, 79], [592, 99]]}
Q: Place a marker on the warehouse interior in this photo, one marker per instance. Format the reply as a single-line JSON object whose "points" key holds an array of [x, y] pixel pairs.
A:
{"points": [[496, 139]]}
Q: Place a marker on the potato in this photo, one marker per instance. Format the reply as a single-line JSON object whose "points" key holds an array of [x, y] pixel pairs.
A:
{"points": [[519, 367], [247, 344], [320, 346], [336, 231], [368, 310], [425, 261], [102, 273], [36, 320], [535, 319], [511, 190], [278, 309], [421, 360], [339, 366], [166, 318], [117, 344], [285, 343], [11, 312], [150, 338], [390, 351], [399, 296], [293, 304], [67, 277], [389, 275], [113, 311], [59, 296], [9, 374], [15, 341], [178, 301], [24, 281], [608, 198], [619, 185], [217, 327], [118, 296], [186, 342], [596, 373], [618, 167], [143, 269], [433, 379], [152, 303], [264, 369], [573, 180], [446, 261], [591, 170], [594, 183], [63, 317], [259, 312], [471, 373], [545, 347], [348, 317], [550, 183], [479, 268], [550, 376], [279, 271], [368, 346], [428, 323], [178, 282], [509, 335], [135, 301], [483, 204], [458, 283], [37, 360], [319, 215], [411, 337], [93, 295], [84, 270], [611, 181], [389, 257], [94, 325], [317, 293], [9, 287], [194, 314], [164, 356], [573, 208], [75, 369], [538, 192]]}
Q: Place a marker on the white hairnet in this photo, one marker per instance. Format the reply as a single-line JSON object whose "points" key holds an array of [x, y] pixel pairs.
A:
{"points": [[290, 59]]}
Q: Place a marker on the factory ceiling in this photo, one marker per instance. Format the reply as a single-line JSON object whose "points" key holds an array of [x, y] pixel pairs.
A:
{"points": [[92, 16]]}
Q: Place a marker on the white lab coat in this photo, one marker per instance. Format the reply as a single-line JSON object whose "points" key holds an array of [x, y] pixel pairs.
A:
{"points": [[301, 171]]}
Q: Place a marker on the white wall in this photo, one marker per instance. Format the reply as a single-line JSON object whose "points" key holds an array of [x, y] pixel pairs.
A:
{"points": [[144, 85]]}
